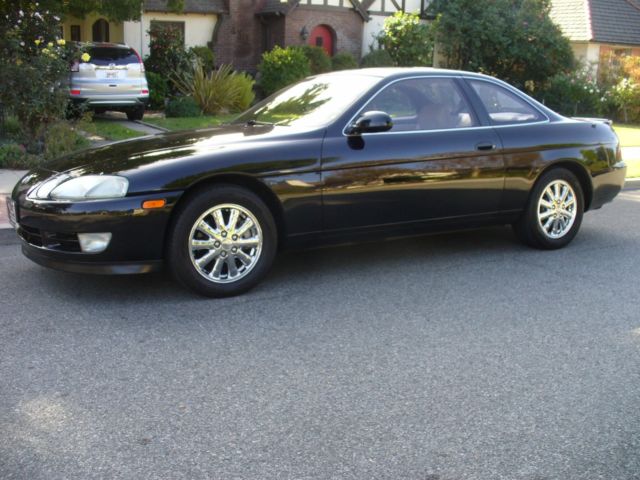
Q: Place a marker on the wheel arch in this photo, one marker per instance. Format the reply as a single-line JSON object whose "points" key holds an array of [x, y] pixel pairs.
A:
{"points": [[249, 182], [581, 173]]}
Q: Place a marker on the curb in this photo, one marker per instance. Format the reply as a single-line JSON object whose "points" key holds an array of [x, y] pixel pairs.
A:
{"points": [[150, 125], [631, 184]]}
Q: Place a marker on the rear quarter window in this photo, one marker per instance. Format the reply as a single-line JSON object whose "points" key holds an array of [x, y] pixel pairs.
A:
{"points": [[503, 106]]}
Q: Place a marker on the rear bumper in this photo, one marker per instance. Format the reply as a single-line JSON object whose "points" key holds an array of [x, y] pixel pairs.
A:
{"points": [[118, 101], [606, 185]]}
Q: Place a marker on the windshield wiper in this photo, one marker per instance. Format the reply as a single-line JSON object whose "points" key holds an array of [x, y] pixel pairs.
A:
{"points": [[253, 122]]}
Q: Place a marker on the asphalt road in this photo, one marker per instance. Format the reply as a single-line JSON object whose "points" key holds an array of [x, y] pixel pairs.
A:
{"points": [[460, 356]]}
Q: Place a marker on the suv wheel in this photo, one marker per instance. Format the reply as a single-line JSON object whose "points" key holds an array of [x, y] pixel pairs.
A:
{"points": [[135, 114]]}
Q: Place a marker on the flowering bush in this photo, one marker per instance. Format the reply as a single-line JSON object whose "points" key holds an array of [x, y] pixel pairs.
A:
{"points": [[626, 96], [575, 93], [34, 66]]}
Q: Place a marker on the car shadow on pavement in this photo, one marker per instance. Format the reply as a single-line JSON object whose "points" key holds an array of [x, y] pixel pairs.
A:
{"points": [[297, 271]]}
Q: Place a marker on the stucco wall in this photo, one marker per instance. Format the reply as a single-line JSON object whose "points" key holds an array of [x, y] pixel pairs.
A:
{"points": [[374, 26], [116, 30], [198, 29]]}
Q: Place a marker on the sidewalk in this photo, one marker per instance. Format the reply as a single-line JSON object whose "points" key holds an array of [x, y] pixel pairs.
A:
{"points": [[8, 179]]}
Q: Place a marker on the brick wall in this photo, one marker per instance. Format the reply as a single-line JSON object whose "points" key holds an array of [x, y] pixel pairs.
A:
{"points": [[239, 39], [347, 25]]}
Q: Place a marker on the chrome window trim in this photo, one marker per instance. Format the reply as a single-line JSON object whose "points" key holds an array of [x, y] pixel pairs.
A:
{"points": [[481, 127]]}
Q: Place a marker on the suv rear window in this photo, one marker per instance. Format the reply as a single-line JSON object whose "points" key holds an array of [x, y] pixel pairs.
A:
{"points": [[105, 56]]}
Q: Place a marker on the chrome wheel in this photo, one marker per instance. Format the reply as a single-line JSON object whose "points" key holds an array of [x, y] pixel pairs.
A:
{"points": [[225, 243], [557, 209]]}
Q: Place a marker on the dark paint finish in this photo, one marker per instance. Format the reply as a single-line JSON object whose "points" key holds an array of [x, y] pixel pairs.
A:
{"points": [[323, 185]]}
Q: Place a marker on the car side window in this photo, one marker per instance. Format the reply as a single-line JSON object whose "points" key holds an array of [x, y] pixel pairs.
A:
{"points": [[395, 101], [503, 106], [419, 104]]}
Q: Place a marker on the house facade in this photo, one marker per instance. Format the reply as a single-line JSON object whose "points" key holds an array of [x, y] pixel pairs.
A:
{"points": [[197, 21], [600, 31], [239, 31]]}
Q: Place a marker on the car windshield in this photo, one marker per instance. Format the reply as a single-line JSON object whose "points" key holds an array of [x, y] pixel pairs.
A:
{"points": [[314, 102]]}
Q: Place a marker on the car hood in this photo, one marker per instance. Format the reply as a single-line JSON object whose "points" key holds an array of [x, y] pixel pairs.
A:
{"points": [[131, 155]]}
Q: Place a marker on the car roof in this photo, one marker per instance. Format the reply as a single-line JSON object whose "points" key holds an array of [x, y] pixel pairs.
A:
{"points": [[398, 72], [105, 45]]}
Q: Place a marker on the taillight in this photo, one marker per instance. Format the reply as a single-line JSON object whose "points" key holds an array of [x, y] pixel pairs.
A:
{"points": [[144, 91], [139, 60], [75, 66], [75, 92]]}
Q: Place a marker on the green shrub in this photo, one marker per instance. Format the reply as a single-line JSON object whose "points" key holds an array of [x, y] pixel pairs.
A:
{"points": [[625, 95], [343, 61], [205, 56], [168, 53], [13, 155], [61, 139], [319, 61], [243, 84], [515, 41], [281, 67], [222, 90], [407, 40], [377, 58], [182, 107], [34, 67], [158, 90], [573, 94]]}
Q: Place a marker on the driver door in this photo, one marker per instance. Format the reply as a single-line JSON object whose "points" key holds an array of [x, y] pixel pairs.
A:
{"points": [[436, 163]]}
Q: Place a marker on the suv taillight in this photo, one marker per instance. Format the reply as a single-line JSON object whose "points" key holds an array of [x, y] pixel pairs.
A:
{"points": [[75, 66], [139, 60]]}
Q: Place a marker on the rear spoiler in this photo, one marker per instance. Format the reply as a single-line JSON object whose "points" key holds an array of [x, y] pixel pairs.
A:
{"points": [[593, 120]]}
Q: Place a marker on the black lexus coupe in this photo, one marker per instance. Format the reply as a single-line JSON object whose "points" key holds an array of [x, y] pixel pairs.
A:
{"points": [[333, 158]]}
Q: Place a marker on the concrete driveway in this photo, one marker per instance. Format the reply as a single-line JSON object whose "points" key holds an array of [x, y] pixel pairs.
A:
{"points": [[460, 356]]}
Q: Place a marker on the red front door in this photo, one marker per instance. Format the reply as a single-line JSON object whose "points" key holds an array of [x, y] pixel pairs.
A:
{"points": [[321, 36]]}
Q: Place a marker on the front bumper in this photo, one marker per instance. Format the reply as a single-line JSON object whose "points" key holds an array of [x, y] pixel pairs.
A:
{"points": [[48, 231]]}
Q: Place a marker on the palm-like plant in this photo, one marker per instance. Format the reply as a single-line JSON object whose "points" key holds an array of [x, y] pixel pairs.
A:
{"points": [[222, 90]]}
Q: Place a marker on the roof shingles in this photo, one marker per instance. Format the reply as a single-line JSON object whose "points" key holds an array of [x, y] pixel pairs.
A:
{"points": [[602, 21], [190, 6]]}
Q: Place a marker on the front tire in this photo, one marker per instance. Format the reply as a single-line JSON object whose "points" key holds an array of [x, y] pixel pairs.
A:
{"points": [[554, 211], [222, 242]]}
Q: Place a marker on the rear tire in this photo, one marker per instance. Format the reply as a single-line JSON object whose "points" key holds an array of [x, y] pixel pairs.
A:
{"points": [[554, 211], [135, 114], [222, 242]]}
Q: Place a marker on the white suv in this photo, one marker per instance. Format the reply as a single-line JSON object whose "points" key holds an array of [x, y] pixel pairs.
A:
{"points": [[112, 79]]}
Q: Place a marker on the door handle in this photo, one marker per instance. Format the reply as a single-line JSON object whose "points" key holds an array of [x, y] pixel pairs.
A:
{"points": [[485, 146]]}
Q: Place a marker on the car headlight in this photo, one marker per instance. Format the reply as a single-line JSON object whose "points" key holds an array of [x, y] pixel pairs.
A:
{"points": [[87, 187]]}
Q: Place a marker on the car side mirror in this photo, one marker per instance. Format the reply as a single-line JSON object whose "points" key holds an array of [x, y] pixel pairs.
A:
{"points": [[371, 122]]}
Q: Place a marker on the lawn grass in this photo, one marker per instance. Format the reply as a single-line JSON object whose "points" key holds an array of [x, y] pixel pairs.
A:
{"points": [[187, 123], [114, 131], [633, 168], [629, 135]]}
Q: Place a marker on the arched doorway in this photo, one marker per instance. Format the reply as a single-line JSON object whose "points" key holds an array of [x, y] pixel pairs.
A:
{"points": [[323, 36], [100, 30]]}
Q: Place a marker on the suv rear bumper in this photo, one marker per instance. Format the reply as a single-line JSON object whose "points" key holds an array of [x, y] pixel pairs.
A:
{"points": [[120, 101]]}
